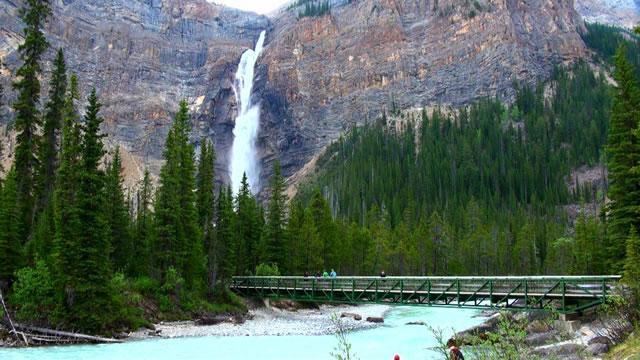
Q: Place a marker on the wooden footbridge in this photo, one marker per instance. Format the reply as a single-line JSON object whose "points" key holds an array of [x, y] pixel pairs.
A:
{"points": [[565, 294]]}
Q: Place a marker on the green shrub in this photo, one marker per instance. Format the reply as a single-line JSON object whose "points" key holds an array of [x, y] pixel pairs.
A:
{"points": [[267, 270], [34, 294]]}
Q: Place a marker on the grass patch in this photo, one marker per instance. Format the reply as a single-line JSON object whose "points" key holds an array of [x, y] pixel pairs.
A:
{"points": [[628, 350]]}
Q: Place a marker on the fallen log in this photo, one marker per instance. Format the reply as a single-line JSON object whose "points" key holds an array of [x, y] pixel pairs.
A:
{"points": [[13, 328], [66, 334]]}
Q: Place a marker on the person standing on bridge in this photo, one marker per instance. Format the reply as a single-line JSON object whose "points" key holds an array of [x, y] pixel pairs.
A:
{"points": [[333, 274], [325, 274]]}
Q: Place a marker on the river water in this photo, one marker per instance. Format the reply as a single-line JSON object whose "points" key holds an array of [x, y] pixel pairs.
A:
{"points": [[394, 337]]}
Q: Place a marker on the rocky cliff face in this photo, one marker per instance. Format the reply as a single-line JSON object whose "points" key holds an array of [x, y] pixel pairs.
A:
{"points": [[143, 56], [317, 76], [323, 75], [624, 13]]}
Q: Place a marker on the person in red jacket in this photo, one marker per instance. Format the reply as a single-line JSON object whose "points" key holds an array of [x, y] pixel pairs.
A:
{"points": [[454, 351], [396, 357]]}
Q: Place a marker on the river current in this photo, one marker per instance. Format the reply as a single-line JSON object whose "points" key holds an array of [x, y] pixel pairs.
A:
{"points": [[394, 337]]}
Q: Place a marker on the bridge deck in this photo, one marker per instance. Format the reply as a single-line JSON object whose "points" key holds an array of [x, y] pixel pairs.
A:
{"points": [[566, 294]]}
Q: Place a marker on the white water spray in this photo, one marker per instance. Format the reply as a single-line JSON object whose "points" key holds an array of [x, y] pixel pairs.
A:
{"points": [[243, 152]]}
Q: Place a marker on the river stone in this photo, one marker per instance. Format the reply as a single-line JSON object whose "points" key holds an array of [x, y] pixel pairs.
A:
{"points": [[538, 339], [354, 316], [558, 350], [597, 349], [538, 326], [375, 319], [600, 340]]}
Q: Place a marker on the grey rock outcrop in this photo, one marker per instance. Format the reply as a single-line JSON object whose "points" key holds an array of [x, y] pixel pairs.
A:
{"points": [[317, 76]]}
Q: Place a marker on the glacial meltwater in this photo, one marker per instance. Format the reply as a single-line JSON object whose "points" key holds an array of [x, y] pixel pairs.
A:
{"points": [[393, 337]]}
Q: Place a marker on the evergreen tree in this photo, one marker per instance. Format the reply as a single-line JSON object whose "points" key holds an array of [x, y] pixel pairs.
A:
{"points": [[27, 113], [66, 204], [179, 242], [224, 248], [49, 145], [10, 257], [275, 227], [326, 228], [116, 214], [248, 228], [90, 307], [632, 262], [206, 205], [48, 148], [143, 228], [623, 155]]}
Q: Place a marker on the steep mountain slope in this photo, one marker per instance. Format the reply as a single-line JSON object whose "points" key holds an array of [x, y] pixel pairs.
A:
{"points": [[624, 13], [331, 72], [144, 56], [318, 75]]}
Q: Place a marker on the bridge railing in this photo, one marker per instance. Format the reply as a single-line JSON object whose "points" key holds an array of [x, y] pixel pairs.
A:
{"points": [[565, 293]]}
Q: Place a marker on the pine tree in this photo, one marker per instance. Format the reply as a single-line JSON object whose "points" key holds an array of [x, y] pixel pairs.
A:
{"points": [[116, 214], [48, 149], [179, 242], [206, 205], [49, 144], [10, 257], [66, 204], [623, 155], [224, 247], [327, 233], [248, 228], [632, 262], [143, 229], [275, 226], [91, 305], [27, 114]]}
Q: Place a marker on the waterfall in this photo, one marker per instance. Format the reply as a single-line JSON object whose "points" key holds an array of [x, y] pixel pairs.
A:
{"points": [[243, 152]]}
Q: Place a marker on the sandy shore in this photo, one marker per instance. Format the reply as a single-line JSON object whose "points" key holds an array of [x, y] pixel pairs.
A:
{"points": [[275, 322]]}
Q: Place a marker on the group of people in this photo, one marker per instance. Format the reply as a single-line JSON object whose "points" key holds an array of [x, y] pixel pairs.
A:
{"points": [[324, 274], [333, 274]]}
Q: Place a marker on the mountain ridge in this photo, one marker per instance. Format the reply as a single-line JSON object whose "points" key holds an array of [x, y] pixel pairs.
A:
{"points": [[317, 77]]}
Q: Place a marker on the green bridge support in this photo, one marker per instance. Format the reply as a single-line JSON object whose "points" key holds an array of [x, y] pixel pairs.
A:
{"points": [[565, 294]]}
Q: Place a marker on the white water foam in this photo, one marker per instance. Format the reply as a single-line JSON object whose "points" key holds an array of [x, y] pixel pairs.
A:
{"points": [[244, 156]]}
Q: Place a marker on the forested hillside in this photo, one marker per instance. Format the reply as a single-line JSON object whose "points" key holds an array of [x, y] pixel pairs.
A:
{"points": [[480, 190]]}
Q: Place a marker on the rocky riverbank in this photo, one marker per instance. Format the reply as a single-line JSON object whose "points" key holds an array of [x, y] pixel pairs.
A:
{"points": [[590, 337], [274, 322]]}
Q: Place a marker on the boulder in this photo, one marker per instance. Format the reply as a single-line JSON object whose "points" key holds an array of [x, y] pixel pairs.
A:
{"points": [[375, 319], [600, 340], [597, 349], [558, 350], [538, 339], [538, 326], [213, 320], [354, 316]]}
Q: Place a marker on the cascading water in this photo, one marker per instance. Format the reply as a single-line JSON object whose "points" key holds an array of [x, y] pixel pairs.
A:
{"points": [[243, 152]]}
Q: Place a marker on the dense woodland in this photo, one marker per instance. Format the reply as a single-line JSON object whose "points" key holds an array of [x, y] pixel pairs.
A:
{"points": [[482, 190]]}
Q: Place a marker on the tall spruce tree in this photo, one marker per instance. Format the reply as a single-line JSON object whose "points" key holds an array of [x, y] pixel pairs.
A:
{"points": [[117, 215], [143, 229], [248, 228], [632, 262], [206, 206], [623, 151], [66, 204], [224, 247], [10, 256], [178, 243], [90, 306], [27, 112], [275, 227], [48, 149]]}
